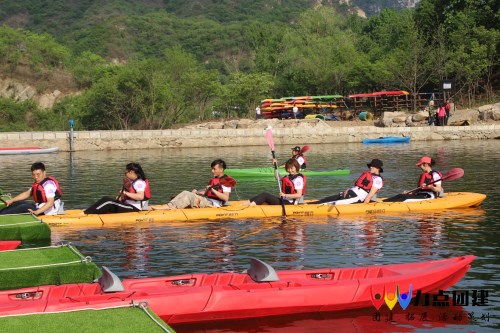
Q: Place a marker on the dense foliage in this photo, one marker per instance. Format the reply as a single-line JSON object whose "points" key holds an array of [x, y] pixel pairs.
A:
{"points": [[152, 64]]}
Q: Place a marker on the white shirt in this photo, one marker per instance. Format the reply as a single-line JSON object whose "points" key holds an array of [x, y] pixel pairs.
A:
{"points": [[362, 194], [50, 188], [139, 186], [295, 109], [298, 183], [257, 110], [216, 202], [301, 160]]}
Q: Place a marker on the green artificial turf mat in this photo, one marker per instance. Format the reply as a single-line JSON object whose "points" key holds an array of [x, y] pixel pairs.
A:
{"points": [[119, 320], [23, 227], [45, 266]]}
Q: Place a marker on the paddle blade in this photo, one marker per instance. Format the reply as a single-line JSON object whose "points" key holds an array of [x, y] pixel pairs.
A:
{"points": [[454, 173], [269, 137], [304, 149], [228, 181]]}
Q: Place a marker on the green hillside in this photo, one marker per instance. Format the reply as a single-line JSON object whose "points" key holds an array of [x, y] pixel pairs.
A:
{"points": [[152, 63]]}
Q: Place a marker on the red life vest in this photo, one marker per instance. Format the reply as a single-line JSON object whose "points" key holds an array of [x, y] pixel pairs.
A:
{"points": [[428, 177], [365, 181], [147, 191], [216, 185], [287, 185], [39, 194]]}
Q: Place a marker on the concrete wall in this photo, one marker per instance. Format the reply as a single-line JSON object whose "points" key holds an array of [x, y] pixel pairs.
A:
{"points": [[319, 132]]}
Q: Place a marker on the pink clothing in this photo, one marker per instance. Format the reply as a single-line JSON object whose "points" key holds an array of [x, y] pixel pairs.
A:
{"points": [[441, 112]]}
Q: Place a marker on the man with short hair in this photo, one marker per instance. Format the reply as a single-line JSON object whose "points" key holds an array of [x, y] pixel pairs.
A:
{"points": [[45, 191], [215, 194]]}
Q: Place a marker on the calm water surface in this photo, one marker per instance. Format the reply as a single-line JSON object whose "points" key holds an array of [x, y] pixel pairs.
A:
{"points": [[144, 250]]}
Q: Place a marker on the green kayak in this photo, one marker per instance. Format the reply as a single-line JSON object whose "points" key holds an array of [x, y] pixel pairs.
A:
{"points": [[268, 173]]}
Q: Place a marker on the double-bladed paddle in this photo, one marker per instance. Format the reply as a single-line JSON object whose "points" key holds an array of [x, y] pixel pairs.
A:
{"points": [[270, 142], [452, 174]]}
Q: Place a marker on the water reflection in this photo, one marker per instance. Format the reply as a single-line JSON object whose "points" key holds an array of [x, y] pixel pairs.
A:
{"points": [[154, 249], [413, 319]]}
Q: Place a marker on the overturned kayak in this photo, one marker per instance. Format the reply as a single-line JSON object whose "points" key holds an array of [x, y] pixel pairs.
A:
{"points": [[260, 291], [388, 139], [268, 173], [452, 200]]}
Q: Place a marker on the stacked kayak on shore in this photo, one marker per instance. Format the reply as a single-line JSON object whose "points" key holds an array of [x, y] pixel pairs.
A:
{"points": [[268, 173], [236, 210], [260, 291]]}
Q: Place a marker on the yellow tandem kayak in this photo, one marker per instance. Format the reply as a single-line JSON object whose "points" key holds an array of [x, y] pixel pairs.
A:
{"points": [[236, 210]]}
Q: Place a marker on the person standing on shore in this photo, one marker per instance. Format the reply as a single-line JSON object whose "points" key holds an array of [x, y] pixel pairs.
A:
{"points": [[441, 115], [432, 111], [257, 112], [447, 108]]}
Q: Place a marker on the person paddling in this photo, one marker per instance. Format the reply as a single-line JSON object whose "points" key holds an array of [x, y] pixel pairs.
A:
{"points": [[365, 188], [215, 194], [429, 184], [45, 191], [293, 188], [297, 153], [133, 197]]}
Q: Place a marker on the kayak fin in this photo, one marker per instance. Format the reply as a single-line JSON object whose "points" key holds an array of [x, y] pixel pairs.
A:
{"points": [[259, 271], [109, 281]]}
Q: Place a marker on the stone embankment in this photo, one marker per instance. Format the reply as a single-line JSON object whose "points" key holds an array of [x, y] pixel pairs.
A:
{"points": [[245, 132]]}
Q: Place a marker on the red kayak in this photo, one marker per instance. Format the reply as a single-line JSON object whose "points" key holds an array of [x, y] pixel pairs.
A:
{"points": [[9, 245], [259, 292]]}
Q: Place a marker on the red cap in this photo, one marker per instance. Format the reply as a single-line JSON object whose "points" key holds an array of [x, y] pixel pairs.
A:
{"points": [[425, 159]]}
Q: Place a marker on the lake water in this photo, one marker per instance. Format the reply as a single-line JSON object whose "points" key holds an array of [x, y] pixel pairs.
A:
{"points": [[144, 250]]}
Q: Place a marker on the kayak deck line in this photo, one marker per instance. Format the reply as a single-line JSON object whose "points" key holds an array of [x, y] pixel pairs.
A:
{"points": [[453, 200]]}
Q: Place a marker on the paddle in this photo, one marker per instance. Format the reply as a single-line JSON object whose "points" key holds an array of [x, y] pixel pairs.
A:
{"points": [[452, 174], [304, 149], [226, 181], [270, 143], [127, 184]]}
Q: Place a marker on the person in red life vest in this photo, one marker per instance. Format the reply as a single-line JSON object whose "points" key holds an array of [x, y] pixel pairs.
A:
{"points": [[365, 189], [296, 154], [45, 191], [133, 196], [293, 188], [447, 109], [215, 194], [429, 184]]}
